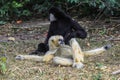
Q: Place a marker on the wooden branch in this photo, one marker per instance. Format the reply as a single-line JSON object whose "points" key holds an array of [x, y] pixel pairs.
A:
{"points": [[76, 5], [100, 14], [115, 39]]}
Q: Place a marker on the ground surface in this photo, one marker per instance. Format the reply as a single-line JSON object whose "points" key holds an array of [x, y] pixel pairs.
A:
{"points": [[23, 38]]}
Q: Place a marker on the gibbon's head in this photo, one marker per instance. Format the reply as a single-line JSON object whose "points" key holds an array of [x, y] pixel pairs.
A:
{"points": [[56, 14], [55, 41]]}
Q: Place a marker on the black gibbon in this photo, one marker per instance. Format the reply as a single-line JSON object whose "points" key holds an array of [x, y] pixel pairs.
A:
{"points": [[62, 54], [61, 24]]}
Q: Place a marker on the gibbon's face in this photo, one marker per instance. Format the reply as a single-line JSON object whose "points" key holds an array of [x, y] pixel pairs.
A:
{"points": [[52, 17], [56, 41]]}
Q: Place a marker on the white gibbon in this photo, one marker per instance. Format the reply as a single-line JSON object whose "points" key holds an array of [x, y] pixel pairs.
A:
{"points": [[66, 55]]}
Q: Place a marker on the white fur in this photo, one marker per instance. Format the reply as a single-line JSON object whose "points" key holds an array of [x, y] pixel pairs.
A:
{"points": [[29, 57], [78, 65], [52, 17], [62, 61], [78, 54], [94, 51]]}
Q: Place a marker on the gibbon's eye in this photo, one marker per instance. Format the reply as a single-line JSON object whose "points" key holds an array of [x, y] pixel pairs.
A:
{"points": [[52, 40], [61, 41], [52, 17]]}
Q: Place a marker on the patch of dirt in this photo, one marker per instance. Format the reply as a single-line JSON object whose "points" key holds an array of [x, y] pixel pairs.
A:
{"points": [[29, 34]]}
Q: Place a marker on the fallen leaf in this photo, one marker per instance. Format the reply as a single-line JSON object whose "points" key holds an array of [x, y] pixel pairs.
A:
{"points": [[19, 21], [88, 44]]}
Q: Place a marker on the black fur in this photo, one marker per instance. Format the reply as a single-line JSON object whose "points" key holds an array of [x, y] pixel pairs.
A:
{"points": [[41, 50], [65, 26]]}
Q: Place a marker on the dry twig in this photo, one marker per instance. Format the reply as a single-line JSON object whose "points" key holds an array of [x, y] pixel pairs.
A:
{"points": [[116, 72]]}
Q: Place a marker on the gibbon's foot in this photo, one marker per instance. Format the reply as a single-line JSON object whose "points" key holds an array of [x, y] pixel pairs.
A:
{"points": [[106, 47], [78, 65], [19, 57], [36, 52]]}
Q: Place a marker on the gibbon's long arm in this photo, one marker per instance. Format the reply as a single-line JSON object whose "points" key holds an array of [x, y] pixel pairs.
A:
{"points": [[29, 57], [47, 57], [78, 56], [79, 31], [97, 51]]}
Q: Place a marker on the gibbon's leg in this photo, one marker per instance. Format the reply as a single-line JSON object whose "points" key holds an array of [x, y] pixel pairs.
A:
{"points": [[78, 56], [97, 51], [62, 61], [29, 57], [49, 55]]}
